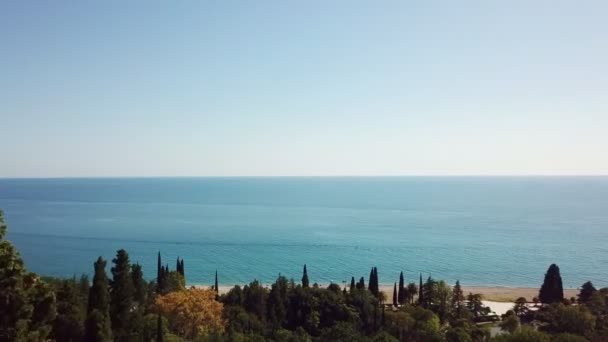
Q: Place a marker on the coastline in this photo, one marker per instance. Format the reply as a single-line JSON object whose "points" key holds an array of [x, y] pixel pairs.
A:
{"points": [[489, 293]]}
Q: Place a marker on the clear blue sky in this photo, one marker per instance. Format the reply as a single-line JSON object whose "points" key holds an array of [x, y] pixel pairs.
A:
{"points": [[224, 88]]}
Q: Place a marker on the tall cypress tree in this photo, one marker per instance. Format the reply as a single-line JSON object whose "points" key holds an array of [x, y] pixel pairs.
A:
{"points": [[395, 295], [420, 291], [457, 299], [121, 296], [217, 286], [370, 280], [98, 324], [552, 290], [352, 284], [361, 284], [181, 267], [373, 286], [402, 292], [305, 282], [159, 269]]}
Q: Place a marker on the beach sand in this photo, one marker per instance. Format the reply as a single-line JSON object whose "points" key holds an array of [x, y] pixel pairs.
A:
{"points": [[489, 293]]}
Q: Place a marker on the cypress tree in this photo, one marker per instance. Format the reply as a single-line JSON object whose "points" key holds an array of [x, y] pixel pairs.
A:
{"points": [[121, 296], [181, 267], [587, 291], [420, 291], [217, 287], [305, 277], [98, 325], [552, 290], [361, 284], [395, 295], [402, 292], [178, 266], [352, 284], [159, 269]]}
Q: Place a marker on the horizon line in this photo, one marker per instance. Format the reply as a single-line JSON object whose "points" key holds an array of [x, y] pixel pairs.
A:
{"points": [[316, 176]]}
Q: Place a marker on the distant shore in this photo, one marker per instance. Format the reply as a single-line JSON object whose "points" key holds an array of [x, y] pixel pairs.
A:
{"points": [[489, 293]]}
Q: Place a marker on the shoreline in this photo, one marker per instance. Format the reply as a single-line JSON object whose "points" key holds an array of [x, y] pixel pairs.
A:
{"points": [[489, 293]]}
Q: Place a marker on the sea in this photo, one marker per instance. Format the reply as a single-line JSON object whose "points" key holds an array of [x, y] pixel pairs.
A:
{"points": [[484, 231]]}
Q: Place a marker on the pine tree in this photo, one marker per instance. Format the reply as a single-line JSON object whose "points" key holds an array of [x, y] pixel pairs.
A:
{"points": [[457, 299], [305, 277], [395, 295], [98, 325], [402, 295], [121, 296], [352, 284], [552, 290]]}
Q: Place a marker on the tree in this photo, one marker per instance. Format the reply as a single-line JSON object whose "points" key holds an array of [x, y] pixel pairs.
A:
{"points": [[98, 324], [402, 296], [278, 302], [421, 292], [361, 284], [520, 307], [27, 304], [352, 284], [395, 295], [217, 286], [69, 323], [121, 296], [305, 282], [412, 289], [160, 334], [373, 286], [587, 291], [139, 285], [193, 313], [159, 275], [552, 290], [457, 300], [510, 322]]}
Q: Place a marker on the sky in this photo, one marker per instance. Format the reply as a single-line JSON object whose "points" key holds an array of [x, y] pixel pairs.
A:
{"points": [[303, 88]]}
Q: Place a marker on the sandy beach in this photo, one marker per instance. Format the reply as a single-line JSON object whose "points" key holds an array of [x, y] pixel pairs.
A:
{"points": [[489, 293]]}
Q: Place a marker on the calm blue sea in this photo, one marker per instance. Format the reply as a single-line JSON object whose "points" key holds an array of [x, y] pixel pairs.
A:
{"points": [[481, 230]]}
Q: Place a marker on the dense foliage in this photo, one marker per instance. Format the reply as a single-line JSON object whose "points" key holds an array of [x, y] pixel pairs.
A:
{"points": [[124, 307]]}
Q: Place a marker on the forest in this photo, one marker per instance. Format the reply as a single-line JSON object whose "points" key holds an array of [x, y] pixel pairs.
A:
{"points": [[122, 305]]}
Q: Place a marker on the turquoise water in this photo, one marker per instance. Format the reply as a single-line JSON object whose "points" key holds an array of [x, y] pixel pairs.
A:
{"points": [[481, 230]]}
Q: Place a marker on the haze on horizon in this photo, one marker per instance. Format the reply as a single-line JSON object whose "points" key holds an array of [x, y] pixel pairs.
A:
{"points": [[316, 88]]}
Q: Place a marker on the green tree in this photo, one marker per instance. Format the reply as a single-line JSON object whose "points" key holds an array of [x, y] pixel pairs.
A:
{"points": [[373, 285], [412, 289], [121, 296], [69, 323], [421, 300], [520, 307], [402, 295], [160, 334], [140, 287], [217, 285], [510, 322], [457, 300], [277, 303], [552, 290], [16, 308], [587, 291], [305, 281], [352, 284], [159, 275], [525, 334], [98, 324], [395, 301]]}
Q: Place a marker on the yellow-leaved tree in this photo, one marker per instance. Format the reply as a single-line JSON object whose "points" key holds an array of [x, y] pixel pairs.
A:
{"points": [[193, 312]]}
